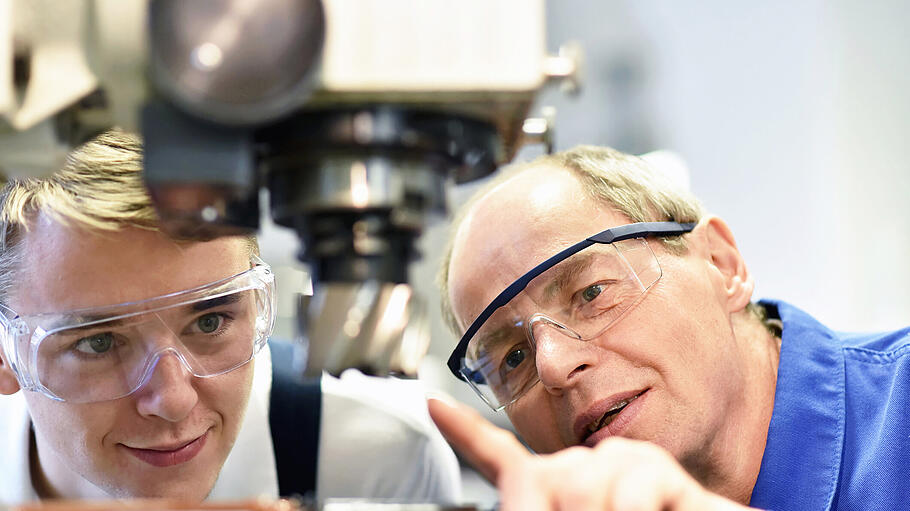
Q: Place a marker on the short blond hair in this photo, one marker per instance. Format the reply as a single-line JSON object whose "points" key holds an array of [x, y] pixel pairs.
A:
{"points": [[99, 187], [619, 181]]}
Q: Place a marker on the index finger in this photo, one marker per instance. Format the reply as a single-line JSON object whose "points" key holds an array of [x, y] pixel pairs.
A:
{"points": [[488, 448]]}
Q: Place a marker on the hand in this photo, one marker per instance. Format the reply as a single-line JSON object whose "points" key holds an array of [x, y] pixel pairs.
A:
{"points": [[617, 475]]}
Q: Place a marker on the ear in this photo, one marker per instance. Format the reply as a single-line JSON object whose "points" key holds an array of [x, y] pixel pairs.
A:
{"points": [[8, 382], [724, 255]]}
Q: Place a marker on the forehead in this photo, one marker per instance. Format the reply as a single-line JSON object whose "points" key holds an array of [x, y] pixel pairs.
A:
{"points": [[515, 226], [67, 267], [541, 209]]}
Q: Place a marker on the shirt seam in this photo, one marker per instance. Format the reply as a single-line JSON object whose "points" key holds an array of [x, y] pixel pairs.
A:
{"points": [[841, 426], [842, 434], [877, 357]]}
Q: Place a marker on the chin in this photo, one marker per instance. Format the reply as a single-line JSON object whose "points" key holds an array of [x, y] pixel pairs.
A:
{"points": [[183, 490], [193, 487]]}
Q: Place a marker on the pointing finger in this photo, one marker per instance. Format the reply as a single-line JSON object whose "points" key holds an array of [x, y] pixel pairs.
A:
{"points": [[488, 448]]}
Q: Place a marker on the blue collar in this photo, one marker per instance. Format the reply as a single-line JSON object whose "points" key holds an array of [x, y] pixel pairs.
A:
{"points": [[801, 463]]}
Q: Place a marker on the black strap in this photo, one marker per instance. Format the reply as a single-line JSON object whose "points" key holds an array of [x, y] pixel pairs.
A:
{"points": [[294, 413]]}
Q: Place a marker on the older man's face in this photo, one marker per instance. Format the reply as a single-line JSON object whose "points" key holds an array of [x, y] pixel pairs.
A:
{"points": [[675, 350], [169, 438]]}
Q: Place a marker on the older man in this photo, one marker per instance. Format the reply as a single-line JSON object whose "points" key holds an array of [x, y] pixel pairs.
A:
{"points": [[138, 365], [612, 320]]}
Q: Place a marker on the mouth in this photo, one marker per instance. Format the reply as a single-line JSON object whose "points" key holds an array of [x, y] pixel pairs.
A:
{"points": [[601, 416], [169, 455]]}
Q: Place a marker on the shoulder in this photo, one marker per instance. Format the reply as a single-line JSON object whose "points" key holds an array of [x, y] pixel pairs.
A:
{"points": [[877, 398], [883, 347], [377, 441], [839, 417], [891, 344]]}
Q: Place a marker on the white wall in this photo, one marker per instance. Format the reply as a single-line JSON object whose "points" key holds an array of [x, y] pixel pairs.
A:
{"points": [[792, 117]]}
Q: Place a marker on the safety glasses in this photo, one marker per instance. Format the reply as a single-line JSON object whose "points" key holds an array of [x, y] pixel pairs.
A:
{"points": [[109, 352], [579, 293]]}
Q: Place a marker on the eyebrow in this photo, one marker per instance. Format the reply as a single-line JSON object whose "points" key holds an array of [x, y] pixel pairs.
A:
{"points": [[217, 301], [565, 273], [491, 339], [94, 320]]}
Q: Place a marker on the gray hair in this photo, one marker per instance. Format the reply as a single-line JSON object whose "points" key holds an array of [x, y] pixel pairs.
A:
{"points": [[622, 182]]}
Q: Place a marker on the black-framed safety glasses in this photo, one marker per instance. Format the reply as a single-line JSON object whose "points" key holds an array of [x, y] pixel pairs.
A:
{"points": [[579, 292]]}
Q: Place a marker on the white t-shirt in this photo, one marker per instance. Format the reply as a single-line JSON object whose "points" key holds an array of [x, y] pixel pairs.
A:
{"points": [[376, 441]]}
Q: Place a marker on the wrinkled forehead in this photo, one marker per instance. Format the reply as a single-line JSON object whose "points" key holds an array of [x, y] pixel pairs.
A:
{"points": [[515, 227]]}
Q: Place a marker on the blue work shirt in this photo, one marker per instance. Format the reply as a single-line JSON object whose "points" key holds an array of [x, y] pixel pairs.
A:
{"points": [[839, 436]]}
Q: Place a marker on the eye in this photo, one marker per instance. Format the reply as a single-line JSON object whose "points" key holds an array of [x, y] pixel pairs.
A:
{"points": [[514, 358], [95, 344], [591, 292], [209, 323]]}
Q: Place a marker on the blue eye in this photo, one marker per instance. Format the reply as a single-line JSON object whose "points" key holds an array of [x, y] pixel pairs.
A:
{"points": [[95, 344], [591, 292], [209, 323]]}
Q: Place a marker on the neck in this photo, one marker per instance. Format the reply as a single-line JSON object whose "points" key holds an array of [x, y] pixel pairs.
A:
{"points": [[40, 483], [732, 465]]}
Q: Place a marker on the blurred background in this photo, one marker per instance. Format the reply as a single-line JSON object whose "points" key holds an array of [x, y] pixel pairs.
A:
{"points": [[791, 117]]}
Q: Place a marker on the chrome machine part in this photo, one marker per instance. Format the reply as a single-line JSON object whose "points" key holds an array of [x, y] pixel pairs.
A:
{"points": [[43, 73], [221, 69], [377, 327], [236, 62], [357, 185], [356, 167], [354, 115]]}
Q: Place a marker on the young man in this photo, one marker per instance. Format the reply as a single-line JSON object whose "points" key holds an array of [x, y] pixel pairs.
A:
{"points": [[137, 365], [626, 346]]}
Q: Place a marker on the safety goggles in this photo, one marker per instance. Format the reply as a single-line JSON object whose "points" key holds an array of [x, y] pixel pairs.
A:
{"points": [[109, 352], [578, 293]]}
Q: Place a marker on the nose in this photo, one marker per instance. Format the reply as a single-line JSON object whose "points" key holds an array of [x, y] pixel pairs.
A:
{"points": [[168, 392], [560, 354]]}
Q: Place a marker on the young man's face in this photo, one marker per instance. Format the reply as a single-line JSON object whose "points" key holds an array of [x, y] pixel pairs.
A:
{"points": [[109, 447], [675, 349]]}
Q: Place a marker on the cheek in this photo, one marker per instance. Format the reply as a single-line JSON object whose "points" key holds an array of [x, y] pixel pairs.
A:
{"points": [[227, 395], [681, 338], [691, 343], [75, 433], [536, 421], [683, 311]]}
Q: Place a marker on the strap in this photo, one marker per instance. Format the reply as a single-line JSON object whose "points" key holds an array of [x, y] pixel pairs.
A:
{"points": [[294, 415]]}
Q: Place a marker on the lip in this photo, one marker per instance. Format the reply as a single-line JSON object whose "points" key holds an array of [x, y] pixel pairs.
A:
{"points": [[598, 409], [166, 456]]}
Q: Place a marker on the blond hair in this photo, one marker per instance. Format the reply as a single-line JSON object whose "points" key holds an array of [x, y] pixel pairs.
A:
{"points": [[100, 187], [622, 182]]}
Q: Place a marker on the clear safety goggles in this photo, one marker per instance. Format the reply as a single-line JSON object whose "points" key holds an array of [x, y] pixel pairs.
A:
{"points": [[109, 352], [578, 293]]}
